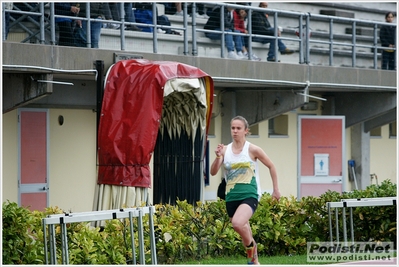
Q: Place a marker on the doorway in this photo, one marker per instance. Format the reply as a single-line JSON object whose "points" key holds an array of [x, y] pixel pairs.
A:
{"points": [[321, 157], [33, 184]]}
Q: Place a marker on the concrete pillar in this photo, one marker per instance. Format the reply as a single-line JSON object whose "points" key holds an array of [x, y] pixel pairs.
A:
{"points": [[360, 153]]}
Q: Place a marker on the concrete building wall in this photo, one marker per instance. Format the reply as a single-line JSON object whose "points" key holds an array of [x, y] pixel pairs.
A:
{"points": [[73, 171], [9, 162], [72, 146], [283, 152], [383, 156], [72, 161]]}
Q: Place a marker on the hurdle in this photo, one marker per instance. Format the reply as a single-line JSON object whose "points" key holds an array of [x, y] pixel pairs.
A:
{"points": [[353, 203], [62, 219]]}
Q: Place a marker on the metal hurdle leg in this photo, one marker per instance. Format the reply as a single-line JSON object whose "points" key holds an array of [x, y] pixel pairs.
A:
{"points": [[66, 244], [329, 221], [337, 224], [134, 261], [351, 223], [45, 242], [152, 237], [141, 237], [53, 245], [62, 246], [344, 225]]}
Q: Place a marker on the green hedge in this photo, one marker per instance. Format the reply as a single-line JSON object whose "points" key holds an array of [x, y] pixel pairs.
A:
{"points": [[187, 232]]}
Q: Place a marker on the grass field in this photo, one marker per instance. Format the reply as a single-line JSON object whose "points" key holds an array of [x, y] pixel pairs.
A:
{"points": [[275, 260]]}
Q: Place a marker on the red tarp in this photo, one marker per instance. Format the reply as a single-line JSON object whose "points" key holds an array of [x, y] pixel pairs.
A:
{"points": [[130, 117]]}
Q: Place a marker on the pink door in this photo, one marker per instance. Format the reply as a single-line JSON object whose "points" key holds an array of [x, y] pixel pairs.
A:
{"points": [[321, 155], [33, 182]]}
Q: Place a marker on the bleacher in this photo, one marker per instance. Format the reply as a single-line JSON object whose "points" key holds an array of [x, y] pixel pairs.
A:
{"points": [[321, 15]]}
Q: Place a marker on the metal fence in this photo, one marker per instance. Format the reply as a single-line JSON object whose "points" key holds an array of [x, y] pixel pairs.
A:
{"points": [[42, 17]]}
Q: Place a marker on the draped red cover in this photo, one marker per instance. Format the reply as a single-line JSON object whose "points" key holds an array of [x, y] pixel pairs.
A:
{"points": [[130, 117]]}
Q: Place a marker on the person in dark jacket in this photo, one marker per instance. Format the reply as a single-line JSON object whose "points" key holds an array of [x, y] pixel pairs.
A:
{"points": [[117, 16], [65, 25], [98, 10], [231, 41], [262, 26], [388, 39]]}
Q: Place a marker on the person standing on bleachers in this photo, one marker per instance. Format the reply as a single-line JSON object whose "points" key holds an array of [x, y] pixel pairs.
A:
{"points": [[231, 41], [240, 16], [173, 8], [98, 10], [388, 39], [65, 25], [117, 16], [129, 17], [262, 26]]}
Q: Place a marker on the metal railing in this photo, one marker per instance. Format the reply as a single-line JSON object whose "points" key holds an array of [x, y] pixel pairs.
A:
{"points": [[42, 18]]}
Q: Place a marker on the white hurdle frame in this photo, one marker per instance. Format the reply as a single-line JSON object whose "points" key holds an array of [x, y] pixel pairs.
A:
{"points": [[353, 203], [92, 216]]}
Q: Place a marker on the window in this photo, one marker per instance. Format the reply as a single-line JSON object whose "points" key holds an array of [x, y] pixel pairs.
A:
{"points": [[211, 130], [375, 133], [254, 130], [278, 126], [392, 130]]}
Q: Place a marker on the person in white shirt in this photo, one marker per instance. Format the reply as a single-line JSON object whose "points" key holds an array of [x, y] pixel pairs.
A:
{"points": [[240, 162]]}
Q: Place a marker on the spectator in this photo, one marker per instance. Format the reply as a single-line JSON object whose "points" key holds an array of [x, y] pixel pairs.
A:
{"points": [[388, 39], [115, 13], [177, 9], [98, 10], [8, 6], [213, 23], [146, 17], [65, 25], [129, 17], [261, 26], [173, 9], [200, 10], [117, 16], [240, 16]]}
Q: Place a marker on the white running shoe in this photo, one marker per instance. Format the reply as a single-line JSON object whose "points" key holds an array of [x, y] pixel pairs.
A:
{"points": [[256, 58], [203, 16], [232, 55], [161, 31], [240, 55], [114, 25], [181, 13]]}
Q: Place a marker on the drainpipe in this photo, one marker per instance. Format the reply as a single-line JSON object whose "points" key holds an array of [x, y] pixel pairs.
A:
{"points": [[100, 92]]}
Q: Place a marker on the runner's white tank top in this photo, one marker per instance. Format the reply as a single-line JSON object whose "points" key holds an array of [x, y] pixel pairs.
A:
{"points": [[241, 174]]}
